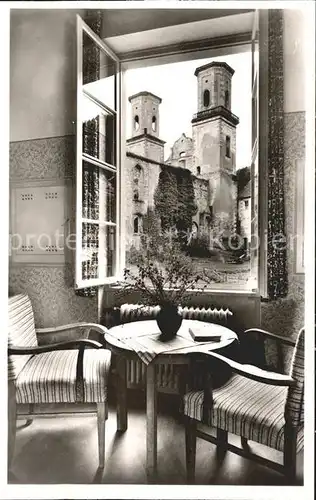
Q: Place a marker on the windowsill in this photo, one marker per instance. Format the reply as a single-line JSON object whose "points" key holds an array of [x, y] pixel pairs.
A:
{"points": [[209, 291]]}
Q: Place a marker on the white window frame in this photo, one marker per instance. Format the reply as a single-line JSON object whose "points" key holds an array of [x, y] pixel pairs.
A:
{"points": [[80, 156], [210, 48]]}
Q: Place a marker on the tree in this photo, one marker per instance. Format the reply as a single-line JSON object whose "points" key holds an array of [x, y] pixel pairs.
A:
{"points": [[243, 177]]}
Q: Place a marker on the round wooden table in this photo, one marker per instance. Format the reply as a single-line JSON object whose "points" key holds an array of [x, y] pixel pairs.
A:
{"points": [[175, 352]]}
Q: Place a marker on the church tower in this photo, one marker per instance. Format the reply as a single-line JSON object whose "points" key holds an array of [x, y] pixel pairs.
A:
{"points": [[214, 139], [145, 139], [144, 154]]}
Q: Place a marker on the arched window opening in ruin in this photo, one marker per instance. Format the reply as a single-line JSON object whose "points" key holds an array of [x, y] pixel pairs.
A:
{"points": [[136, 224], [227, 146], [136, 123], [154, 124], [206, 98], [137, 171]]}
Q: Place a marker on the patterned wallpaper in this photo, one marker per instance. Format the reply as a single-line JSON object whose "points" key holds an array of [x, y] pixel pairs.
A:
{"points": [[286, 316], [50, 287], [50, 158], [53, 299]]}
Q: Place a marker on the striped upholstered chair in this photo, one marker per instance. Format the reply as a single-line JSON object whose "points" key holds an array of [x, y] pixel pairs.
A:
{"points": [[255, 404], [64, 372]]}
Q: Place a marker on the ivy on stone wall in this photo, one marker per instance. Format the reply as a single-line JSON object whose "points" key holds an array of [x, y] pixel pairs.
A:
{"points": [[166, 199], [174, 200]]}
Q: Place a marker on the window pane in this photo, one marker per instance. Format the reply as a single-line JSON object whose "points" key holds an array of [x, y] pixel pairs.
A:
{"points": [[98, 130], [98, 193], [108, 242], [98, 72], [90, 251], [190, 184], [107, 196], [98, 251]]}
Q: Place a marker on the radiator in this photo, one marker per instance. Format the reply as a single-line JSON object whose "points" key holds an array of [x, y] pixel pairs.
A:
{"points": [[168, 376]]}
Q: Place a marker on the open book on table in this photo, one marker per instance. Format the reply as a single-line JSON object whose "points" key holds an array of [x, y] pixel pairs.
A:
{"points": [[205, 332]]}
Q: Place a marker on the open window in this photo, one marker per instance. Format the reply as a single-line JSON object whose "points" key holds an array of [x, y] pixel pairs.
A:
{"points": [[98, 158], [101, 238]]}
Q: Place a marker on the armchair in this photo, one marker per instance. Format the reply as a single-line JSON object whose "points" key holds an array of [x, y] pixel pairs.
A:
{"points": [[74, 371], [255, 404]]}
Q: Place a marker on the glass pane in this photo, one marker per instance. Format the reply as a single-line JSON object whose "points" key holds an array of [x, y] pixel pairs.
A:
{"points": [[107, 196], [204, 211], [98, 251], [90, 251], [98, 72], [98, 132], [90, 191], [107, 255], [98, 193]]}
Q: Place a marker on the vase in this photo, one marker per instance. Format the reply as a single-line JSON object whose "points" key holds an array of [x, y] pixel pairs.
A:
{"points": [[169, 321]]}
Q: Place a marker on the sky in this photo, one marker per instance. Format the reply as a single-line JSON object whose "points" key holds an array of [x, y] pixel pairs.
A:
{"points": [[177, 86]]}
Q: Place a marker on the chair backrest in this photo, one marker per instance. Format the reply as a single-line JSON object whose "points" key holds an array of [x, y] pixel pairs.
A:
{"points": [[21, 331], [294, 409]]}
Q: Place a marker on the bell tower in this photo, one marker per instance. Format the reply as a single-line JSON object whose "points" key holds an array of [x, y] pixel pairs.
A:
{"points": [[145, 139], [145, 114], [144, 154], [214, 137]]}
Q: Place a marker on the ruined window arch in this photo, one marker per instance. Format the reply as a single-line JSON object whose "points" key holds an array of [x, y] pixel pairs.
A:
{"points": [[227, 146], [136, 123], [206, 98], [198, 170], [137, 224], [137, 170], [154, 123]]}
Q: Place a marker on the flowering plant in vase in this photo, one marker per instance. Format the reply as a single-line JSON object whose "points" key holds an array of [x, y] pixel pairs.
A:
{"points": [[162, 275]]}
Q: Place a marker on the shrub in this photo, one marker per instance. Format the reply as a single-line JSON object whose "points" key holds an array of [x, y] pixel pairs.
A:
{"points": [[133, 256], [199, 246]]}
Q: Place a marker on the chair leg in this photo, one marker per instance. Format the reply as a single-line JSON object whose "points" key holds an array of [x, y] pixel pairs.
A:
{"points": [[102, 415], [289, 455], [190, 447], [12, 414], [222, 440]]}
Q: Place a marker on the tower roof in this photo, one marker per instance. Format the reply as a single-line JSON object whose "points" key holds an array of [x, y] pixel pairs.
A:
{"points": [[214, 64], [144, 93]]}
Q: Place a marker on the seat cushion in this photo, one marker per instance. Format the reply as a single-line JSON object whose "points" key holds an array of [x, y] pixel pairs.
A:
{"points": [[21, 331], [246, 408], [50, 377]]}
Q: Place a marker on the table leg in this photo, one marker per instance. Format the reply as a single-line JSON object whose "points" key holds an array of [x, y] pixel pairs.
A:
{"points": [[121, 394], [151, 403]]}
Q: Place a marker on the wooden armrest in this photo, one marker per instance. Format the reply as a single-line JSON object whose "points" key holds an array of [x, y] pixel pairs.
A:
{"points": [[60, 346], [254, 373], [62, 328], [264, 334]]}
